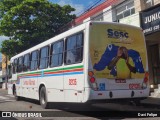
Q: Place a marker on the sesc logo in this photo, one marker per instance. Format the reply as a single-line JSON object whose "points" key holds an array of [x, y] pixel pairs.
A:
{"points": [[117, 34]]}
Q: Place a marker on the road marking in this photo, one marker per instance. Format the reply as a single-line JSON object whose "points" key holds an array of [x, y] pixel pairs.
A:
{"points": [[9, 100], [9, 95], [6, 98], [1, 97]]}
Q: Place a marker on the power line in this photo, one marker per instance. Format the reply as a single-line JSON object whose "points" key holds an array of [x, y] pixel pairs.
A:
{"points": [[94, 5], [89, 7], [109, 10]]}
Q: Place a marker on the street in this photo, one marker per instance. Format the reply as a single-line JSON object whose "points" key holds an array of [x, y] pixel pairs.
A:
{"points": [[94, 59], [78, 111]]}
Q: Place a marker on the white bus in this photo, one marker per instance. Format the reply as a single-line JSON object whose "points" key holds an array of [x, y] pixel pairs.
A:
{"points": [[93, 61]]}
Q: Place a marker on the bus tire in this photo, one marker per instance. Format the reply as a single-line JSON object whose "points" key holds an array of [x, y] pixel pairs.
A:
{"points": [[43, 98], [17, 98]]}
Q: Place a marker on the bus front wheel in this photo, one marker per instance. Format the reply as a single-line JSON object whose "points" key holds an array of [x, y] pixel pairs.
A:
{"points": [[43, 98], [15, 93]]}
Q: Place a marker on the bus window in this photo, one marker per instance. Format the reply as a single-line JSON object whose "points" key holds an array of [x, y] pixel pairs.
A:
{"points": [[74, 49], [26, 66], [79, 47], [14, 66], [57, 54], [34, 60], [20, 64], [44, 57], [80, 40]]}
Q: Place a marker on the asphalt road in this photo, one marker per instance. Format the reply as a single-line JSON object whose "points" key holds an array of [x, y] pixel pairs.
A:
{"points": [[58, 111]]}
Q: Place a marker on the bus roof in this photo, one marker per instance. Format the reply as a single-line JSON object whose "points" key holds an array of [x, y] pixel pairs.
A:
{"points": [[66, 34], [51, 40]]}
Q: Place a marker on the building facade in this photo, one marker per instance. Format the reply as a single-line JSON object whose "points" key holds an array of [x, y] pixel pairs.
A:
{"points": [[150, 23], [133, 12], [2, 61], [1, 69]]}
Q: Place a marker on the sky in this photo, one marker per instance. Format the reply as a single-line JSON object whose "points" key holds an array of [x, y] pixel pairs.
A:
{"points": [[1, 39], [79, 5]]}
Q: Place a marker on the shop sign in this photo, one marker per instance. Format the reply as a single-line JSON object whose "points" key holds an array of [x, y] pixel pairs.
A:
{"points": [[150, 20]]}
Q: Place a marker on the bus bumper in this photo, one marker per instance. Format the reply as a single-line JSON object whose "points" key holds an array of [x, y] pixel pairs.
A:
{"points": [[118, 94]]}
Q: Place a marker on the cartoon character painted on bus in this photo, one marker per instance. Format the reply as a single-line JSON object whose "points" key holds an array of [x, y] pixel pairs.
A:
{"points": [[120, 61]]}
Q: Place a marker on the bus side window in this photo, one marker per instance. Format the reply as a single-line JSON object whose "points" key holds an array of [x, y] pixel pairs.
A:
{"points": [[34, 60], [20, 64], [26, 66], [44, 57], [14, 66], [57, 54], [79, 51], [74, 49]]}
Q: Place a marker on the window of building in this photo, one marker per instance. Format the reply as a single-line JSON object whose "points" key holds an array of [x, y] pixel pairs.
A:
{"points": [[126, 9], [20, 64], [14, 66], [43, 63], [148, 3], [97, 17], [34, 60], [26, 65], [74, 49], [57, 53]]}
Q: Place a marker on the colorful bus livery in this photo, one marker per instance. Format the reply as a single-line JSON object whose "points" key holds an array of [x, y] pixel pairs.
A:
{"points": [[54, 72], [83, 64]]}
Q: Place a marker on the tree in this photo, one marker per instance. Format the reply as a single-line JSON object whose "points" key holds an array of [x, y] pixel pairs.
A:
{"points": [[30, 22], [11, 47]]}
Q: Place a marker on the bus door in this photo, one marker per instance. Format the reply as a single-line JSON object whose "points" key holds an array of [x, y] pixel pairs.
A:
{"points": [[73, 70], [54, 76]]}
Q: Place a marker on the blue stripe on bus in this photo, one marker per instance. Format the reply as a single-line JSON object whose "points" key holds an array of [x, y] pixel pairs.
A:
{"points": [[71, 73]]}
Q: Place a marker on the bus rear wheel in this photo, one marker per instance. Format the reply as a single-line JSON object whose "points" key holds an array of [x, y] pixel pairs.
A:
{"points": [[43, 98]]}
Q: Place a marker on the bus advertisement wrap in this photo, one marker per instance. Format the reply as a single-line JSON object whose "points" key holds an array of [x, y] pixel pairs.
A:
{"points": [[117, 52]]}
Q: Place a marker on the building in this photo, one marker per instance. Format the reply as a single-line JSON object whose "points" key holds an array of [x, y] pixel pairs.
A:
{"points": [[1, 69], [150, 23], [0, 72], [3, 65], [133, 12]]}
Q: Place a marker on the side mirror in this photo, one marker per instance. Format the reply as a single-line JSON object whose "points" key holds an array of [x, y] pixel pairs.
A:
{"points": [[9, 66], [9, 71]]}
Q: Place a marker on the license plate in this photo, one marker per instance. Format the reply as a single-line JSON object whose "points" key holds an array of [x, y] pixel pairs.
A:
{"points": [[120, 80]]}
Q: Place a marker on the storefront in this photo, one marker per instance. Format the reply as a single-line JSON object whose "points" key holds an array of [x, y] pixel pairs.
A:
{"points": [[150, 23]]}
